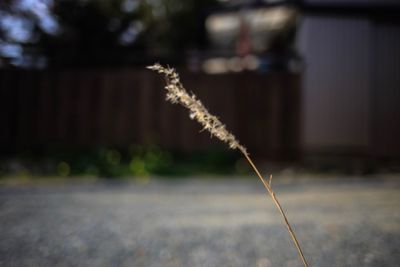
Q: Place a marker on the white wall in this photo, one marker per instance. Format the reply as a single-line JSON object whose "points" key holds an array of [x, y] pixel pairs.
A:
{"points": [[351, 86], [336, 89]]}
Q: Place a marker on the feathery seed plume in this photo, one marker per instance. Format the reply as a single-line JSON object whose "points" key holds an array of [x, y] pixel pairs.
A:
{"points": [[176, 93]]}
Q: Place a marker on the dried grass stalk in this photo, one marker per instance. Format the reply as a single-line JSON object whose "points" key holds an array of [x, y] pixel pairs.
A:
{"points": [[176, 93]]}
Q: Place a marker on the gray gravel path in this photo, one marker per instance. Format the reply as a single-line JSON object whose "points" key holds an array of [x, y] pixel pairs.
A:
{"points": [[224, 223]]}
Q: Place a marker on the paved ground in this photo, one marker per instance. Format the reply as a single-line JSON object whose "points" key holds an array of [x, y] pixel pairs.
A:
{"points": [[200, 223]]}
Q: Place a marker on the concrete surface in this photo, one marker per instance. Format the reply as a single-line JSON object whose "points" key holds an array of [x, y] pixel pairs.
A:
{"points": [[340, 222]]}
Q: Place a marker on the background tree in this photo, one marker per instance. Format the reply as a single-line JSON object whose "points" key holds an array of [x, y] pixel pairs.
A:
{"points": [[94, 32]]}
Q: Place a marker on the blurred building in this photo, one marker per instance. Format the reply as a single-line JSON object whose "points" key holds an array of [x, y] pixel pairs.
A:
{"points": [[351, 79], [348, 54]]}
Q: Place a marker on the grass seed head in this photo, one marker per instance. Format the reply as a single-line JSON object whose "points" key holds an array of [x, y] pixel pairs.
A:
{"points": [[176, 93]]}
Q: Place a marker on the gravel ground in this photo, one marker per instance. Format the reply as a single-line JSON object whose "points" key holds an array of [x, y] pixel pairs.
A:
{"points": [[224, 223]]}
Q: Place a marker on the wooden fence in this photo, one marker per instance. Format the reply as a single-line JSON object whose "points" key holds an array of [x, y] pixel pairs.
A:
{"points": [[119, 107]]}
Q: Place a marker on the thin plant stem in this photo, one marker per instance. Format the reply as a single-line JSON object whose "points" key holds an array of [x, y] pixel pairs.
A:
{"points": [[278, 205], [176, 93]]}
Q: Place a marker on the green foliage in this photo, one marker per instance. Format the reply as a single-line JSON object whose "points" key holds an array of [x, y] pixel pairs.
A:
{"points": [[137, 161]]}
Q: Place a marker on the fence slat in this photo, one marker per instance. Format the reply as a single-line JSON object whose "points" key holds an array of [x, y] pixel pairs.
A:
{"points": [[120, 107]]}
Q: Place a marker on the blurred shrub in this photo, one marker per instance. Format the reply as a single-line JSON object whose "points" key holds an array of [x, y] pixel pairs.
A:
{"points": [[136, 161]]}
